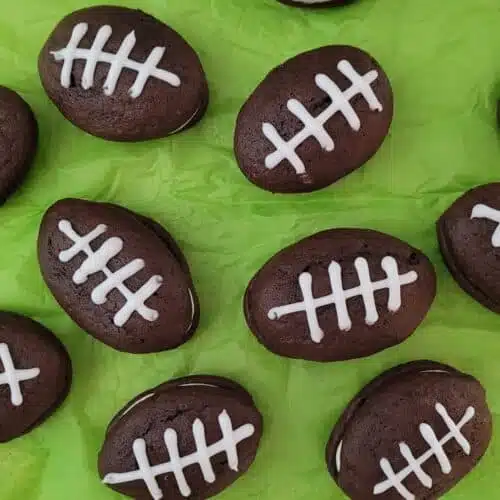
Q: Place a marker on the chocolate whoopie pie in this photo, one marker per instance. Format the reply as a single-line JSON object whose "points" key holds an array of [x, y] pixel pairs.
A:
{"points": [[316, 3], [35, 375], [18, 141], [187, 438], [469, 239], [340, 294], [413, 432], [313, 120], [120, 276], [123, 75]]}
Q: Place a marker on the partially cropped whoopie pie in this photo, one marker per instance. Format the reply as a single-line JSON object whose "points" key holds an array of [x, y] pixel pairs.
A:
{"points": [[119, 275], [35, 375], [412, 433], [122, 74], [469, 238], [187, 438]]}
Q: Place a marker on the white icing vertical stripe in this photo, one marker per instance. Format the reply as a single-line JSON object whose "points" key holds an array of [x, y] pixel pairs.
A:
{"points": [[436, 447], [94, 263], [390, 267], [229, 444], [145, 468], [455, 430], [144, 73], [344, 106], [118, 62], [305, 284], [339, 296], [422, 476], [13, 377], [101, 291], [175, 461], [316, 130], [76, 37], [202, 449], [82, 242]]}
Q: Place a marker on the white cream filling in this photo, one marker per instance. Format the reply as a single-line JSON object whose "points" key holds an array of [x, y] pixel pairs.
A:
{"points": [[182, 127], [193, 311], [198, 384], [339, 447], [137, 403], [151, 394]]}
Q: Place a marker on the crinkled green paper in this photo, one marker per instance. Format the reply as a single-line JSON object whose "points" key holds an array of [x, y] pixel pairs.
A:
{"points": [[443, 58]]}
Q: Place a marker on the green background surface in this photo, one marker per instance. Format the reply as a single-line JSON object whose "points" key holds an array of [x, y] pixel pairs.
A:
{"points": [[443, 58]]}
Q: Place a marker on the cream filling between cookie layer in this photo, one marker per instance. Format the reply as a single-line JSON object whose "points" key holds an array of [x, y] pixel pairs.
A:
{"points": [[183, 126], [137, 403], [193, 312], [338, 452], [337, 456]]}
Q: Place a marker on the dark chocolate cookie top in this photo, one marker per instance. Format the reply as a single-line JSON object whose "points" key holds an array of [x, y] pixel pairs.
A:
{"points": [[18, 140], [35, 375], [469, 239]]}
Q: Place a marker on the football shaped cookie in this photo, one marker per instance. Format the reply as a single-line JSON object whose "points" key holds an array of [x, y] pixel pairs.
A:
{"points": [[119, 275], [414, 432], [35, 375], [469, 238], [313, 120], [187, 438], [340, 294], [123, 75], [18, 141], [316, 3]]}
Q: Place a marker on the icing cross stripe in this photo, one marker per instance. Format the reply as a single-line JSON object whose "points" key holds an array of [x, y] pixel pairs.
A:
{"points": [[176, 464], [314, 126], [436, 449], [339, 297], [481, 211], [13, 377], [117, 62], [97, 261]]}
